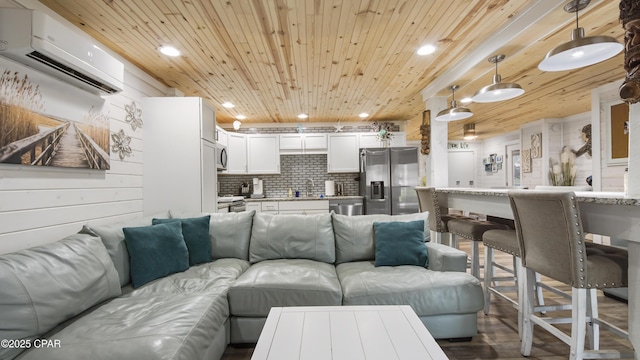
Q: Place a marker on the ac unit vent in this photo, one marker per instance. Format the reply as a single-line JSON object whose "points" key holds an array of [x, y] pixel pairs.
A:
{"points": [[71, 72]]}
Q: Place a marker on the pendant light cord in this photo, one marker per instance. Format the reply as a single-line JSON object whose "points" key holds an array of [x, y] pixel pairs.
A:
{"points": [[577, 25]]}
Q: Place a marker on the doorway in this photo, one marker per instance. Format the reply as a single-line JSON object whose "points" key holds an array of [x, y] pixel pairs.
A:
{"points": [[513, 173]]}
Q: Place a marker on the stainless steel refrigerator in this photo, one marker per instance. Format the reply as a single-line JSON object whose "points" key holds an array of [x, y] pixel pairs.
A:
{"points": [[388, 177]]}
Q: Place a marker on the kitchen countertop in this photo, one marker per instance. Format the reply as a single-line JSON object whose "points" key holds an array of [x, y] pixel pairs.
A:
{"points": [[596, 197], [303, 198]]}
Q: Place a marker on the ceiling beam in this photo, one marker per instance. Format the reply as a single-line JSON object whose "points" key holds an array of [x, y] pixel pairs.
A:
{"points": [[535, 12]]}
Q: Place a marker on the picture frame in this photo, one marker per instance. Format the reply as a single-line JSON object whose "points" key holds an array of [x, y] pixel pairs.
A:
{"points": [[487, 167], [536, 145], [492, 158], [494, 167], [617, 140], [499, 159]]}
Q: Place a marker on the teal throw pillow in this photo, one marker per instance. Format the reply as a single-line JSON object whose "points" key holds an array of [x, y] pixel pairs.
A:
{"points": [[155, 251], [400, 243], [196, 235]]}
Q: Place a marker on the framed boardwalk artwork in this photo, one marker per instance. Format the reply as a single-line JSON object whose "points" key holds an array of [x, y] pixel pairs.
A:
{"points": [[29, 136]]}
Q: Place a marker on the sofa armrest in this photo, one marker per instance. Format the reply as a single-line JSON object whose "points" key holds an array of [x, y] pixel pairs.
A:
{"points": [[446, 258]]}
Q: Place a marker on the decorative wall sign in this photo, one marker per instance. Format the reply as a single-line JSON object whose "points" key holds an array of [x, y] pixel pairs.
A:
{"points": [[525, 160], [536, 145], [134, 115], [30, 136], [121, 144], [458, 145]]}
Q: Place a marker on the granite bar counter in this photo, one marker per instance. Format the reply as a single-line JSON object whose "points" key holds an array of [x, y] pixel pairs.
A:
{"points": [[302, 198]]}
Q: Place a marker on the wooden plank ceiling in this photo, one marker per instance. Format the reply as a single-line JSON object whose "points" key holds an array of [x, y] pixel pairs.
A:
{"points": [[334, 59]]}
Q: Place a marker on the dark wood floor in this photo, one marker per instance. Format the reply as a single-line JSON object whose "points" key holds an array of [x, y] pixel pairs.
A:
{"points": [[498, 335]]}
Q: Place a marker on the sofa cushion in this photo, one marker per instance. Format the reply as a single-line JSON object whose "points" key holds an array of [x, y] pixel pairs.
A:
{"points": [[293, 282], [48, 284], [196, 236], [400, 243], [177, 327], [113, 239], [229, 233], [209, 278], [156, 251], [292, 237], [428, 292], [354, 234]]}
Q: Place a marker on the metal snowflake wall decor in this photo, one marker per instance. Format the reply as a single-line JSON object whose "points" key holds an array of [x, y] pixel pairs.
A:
{"points": [[121, 144], [134, 115]]}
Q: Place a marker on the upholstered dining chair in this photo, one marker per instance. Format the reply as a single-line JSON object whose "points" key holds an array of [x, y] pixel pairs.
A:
{"points": [[438, 216], [440, 221], [552, 242], [505, 241]]}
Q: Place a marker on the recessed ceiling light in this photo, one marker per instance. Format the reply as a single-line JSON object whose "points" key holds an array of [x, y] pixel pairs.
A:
{"points": [[426, 50], [169, 51], [228, 105], [466, 100], [240, 117], [303, 116], [363, 115]]}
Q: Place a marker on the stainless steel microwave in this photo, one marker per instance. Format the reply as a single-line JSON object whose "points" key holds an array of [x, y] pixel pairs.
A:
{"points": [[221, 157]]}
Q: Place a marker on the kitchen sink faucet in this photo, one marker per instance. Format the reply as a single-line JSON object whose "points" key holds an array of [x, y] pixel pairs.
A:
{"points": [[309, 186]]}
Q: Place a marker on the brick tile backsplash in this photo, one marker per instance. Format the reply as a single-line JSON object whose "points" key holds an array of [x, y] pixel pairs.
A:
{"points": [[294, 171]]}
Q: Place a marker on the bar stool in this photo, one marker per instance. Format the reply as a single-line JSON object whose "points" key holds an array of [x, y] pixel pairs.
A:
{"points": [[507, 242], [552, 242], [473, 230], [438, 216]]}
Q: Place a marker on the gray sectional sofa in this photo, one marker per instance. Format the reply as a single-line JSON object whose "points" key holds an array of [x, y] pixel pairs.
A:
{"points": [[77, 294]]}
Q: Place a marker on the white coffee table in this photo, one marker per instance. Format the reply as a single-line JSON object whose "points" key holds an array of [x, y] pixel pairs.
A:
{"points": [[345, 332]]}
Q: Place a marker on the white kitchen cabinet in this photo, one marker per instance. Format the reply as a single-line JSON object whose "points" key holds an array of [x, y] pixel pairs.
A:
{"points": [[315, 142], [269, 207], [223, 137], [291, 142], [343, 154], [369, 140], [256, 206], [236, 153], [303, 207], [399, 139], [303, 143], [263, 154], [179, 170]]}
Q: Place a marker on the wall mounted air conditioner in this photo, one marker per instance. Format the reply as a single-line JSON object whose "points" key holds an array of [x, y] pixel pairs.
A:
{"points": [[35, 39]]}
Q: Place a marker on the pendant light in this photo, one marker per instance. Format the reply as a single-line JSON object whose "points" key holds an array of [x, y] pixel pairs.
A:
{"points": [[469, 131], [454, 112], [498, 91], [580, 51]]}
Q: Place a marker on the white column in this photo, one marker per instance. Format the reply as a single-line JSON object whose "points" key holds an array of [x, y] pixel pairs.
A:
{"points": [[634, 150], [438, 159], [634, 247]]}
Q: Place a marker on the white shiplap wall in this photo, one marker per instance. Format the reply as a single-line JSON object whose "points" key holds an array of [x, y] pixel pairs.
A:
{"points": [[43, 204], [494, 145]]}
